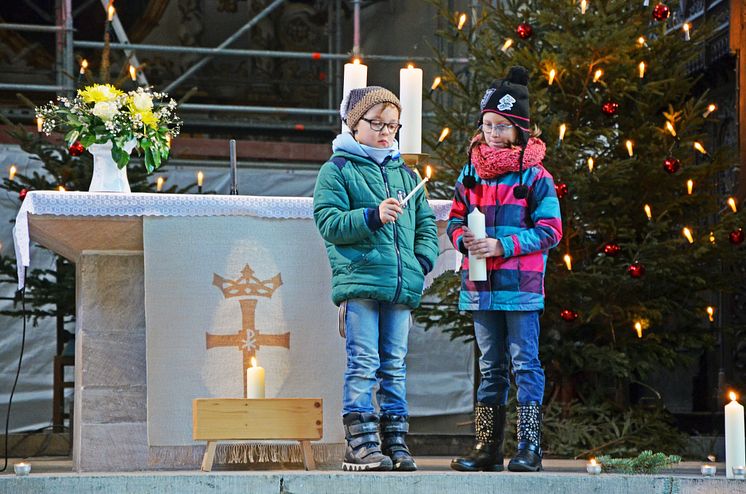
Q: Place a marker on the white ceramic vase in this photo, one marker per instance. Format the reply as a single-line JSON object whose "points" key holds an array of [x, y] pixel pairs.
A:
{"points": [[107, 176]]}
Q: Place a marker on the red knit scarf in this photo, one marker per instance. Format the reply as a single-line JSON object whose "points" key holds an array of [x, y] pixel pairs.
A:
{"points": [[493, 162]]}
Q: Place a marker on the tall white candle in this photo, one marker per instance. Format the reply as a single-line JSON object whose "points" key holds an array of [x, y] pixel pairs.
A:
{"points": [[254, 380], [735, 448], [477, 267], [355, 77], [410, 95]]}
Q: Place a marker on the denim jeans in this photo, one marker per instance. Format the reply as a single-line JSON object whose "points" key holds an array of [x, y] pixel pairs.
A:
{"points": [[376, 344], [506, 337]]}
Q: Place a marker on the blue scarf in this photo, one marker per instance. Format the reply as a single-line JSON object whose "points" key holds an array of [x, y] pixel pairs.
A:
{"points": [[346, 142]]}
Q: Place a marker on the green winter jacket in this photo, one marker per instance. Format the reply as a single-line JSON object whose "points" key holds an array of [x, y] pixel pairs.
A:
{"points": [[369, 259]]}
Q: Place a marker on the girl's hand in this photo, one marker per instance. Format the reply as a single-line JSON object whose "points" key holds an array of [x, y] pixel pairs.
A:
{"points": [[487, 247], [389, 210], [468, 238]]}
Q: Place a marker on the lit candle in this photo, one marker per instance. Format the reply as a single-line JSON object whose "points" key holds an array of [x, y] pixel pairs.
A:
{"points": [[133, 72], [686, 28], [735, 449], [22, 468], [648, 212], [562, 130], [39, 123], [711, 313], [61, 188], [708, 470], [428, 173], [731, 201], [568, 261], [689, 186], [630, 148], [597, 75], [410, 96], [12, 172], [200, 178], [590, 164], [461, 21], [688, 234], [670, 128], [508, 43], [110, 12], [638, 329], [641, 68], [159, 184], [254, 380], [355, 76], [593, 467], [711, 108], [552, 75], [699, 147], [477, 267], [83, 66], [583, 6]]}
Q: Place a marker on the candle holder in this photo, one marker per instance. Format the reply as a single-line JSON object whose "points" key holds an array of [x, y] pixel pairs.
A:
{"points": [[708, 470], [22, 469], [593, 468], [414, 159], [739, 472]]}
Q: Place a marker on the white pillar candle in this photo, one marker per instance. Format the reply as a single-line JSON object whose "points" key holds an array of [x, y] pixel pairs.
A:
{"points": [[410, 95], [477, 267], [254, 380], [735, 447], [355, 77]]}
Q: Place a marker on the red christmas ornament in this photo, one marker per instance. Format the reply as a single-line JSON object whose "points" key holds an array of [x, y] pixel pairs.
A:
{"points": [[671, 165], [661, 12], [736, 237], [612, 249], [636, 269], [610, 108], [561, 190], [569, 315], [22, 194], [76, 149], [524, 30]]}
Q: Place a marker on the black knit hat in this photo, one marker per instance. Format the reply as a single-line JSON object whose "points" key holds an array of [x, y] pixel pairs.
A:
{"points": [[509, 98]]}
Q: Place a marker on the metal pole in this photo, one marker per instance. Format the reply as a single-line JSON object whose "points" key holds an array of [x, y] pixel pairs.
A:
{"points": [[68, 58], [194, 68], [256, 109], [29, 27], [234, 168], [31, 87], [356, 28]]}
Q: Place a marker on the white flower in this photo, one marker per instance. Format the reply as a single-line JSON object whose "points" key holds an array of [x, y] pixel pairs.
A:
{"points": [[105, 110], [142, 101]]}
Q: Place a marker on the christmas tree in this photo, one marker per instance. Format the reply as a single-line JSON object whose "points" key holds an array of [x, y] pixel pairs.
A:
{"points": [[649, 236]]}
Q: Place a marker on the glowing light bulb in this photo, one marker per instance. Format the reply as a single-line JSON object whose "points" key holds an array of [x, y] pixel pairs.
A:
{"points": [[552, 75], [641, 41], [688, 234], [711, 313], [732, 204], [638, 329], [711, 108], [12, 172], [699, 147], [133, 73], [670, 128], [641, 69], [443, 134], [428, 171], [686, 27], [436, 83], [83, 66], [583, 6], [689, 186], [568, 261], [712, 237], [508, 43], [597, 75], [461, 21], [110, 12], [39, 124], [590, 164], [159, 184], [630, 148], [648, 212], [562, 131]]}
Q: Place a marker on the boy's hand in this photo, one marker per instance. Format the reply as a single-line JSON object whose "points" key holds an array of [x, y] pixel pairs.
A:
{"points": [[487, 247], [389, 210]]}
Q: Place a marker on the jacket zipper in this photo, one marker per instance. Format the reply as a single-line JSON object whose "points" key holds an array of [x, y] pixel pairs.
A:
{"points": [[396, 238]]}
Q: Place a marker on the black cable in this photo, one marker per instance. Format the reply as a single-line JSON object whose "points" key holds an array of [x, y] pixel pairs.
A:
{"points": [[18, 372]]}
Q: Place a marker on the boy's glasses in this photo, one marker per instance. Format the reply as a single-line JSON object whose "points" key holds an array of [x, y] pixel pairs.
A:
{"points": [[377, 125], [497, 128]]}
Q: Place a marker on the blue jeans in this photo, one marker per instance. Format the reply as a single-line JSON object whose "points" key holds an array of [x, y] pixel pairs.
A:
{"points": [[376, 345], [504, 337]]}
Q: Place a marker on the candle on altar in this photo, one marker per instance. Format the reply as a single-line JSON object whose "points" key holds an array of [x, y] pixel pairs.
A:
{"points": [[428, 174], [593, 467], [39, 124], [735, 442], [22, 468], [12, 172], [254, 380], [133, 72], [477, 267], [159, 184], [410, 95], [200, 179], [355, 76], [708, 470]]}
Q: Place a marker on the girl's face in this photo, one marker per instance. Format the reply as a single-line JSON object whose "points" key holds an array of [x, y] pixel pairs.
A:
{"points": [[382, 117], [498, 132]]}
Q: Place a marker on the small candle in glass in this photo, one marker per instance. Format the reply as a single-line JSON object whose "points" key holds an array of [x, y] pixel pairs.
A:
{"points": [[708, 470], [739, 472], [22, 468], [592, 467]]}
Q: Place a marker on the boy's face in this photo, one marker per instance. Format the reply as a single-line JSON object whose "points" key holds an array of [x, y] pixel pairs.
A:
{"points": [[498, 131], [381, 115]]}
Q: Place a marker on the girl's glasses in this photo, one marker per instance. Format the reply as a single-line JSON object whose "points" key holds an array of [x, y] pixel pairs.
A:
{"points": [[497, 128]]}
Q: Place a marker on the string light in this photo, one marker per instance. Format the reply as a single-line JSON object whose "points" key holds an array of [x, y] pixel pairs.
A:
{"points": [[443, 134], [159, 184], [590, 164], [597, 75], [686, 27], [712, 237], [689, 186], [630, 148], [641, 69], [436, 83], [711, 108], [732, 204], [711, 313], [39, 124], [699, 147], [133, 73], [12, 172], [552, 75], [568, 261], [638, 329], [688, 234], [670, 128], [641, 41], [562, 130], [583, 6], [110, 12], [648, 212], [83, 66], [508, 43], [461, 21]]}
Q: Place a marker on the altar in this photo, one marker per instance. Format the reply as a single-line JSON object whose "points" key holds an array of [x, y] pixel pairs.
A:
{"points": [[175, 295]]}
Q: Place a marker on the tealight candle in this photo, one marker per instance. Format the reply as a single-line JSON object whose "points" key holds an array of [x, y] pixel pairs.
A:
{"points": [[593, 467], [22, 468], [708, 470], [739, 472]]}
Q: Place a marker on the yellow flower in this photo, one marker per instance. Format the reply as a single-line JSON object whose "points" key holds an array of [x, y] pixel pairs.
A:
{"points": [[99, 92], [148, 118]]}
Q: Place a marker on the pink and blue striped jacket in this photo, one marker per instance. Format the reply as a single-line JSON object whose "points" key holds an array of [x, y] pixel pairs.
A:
{"points": [[526, 228]]}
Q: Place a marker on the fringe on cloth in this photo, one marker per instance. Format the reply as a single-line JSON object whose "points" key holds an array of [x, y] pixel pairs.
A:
{"points": [[253, 452]]}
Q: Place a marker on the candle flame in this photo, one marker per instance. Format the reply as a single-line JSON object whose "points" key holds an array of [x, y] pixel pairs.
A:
{"points": [[583, 6], [133, 72], [630, 148], [508, 43], [461, 21], [711, 313], [110, 12], [61, 188], [732, 204], [699, 147], [12, 172], [410, 66], [641, 68], [710, 108], [428, 171], [641, 41], [732, 395], [200, 178], [83, 66], [670, 128], [552, 75], [688, 234], [590, 164], [562, 130], [568, 262], [686, 27], [39, 123], [356, 61], [253, 361], [689, 186], [648, 212], [443, 134], [598, 75], [159, 184], [638, 328], [593, 461], [436, 83]]}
